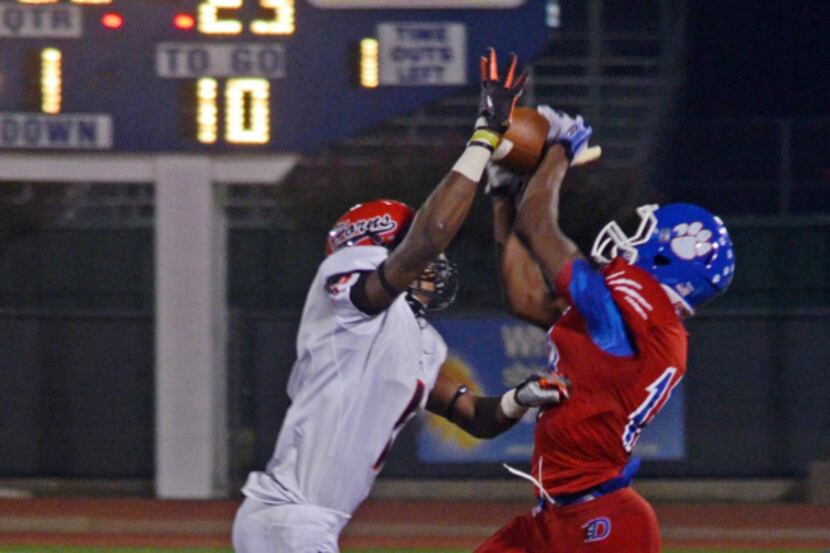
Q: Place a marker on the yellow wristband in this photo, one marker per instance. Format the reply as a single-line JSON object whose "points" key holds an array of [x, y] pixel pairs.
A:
{"points": [[485, 137]]}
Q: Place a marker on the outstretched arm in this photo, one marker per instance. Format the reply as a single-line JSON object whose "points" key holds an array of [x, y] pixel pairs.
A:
{"points": [[439, 218], [537, 223], [526, 293], [486, 417]]}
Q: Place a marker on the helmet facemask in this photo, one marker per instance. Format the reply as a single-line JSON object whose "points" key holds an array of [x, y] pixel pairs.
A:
{"points": [[612, 240], [436, 287]]}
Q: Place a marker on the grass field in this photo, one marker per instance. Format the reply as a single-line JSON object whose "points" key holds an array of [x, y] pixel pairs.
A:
{"points": [[36, 549]]}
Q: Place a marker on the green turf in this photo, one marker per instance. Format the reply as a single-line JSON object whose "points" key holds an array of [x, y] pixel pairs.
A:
{"points": [[56, 549]]}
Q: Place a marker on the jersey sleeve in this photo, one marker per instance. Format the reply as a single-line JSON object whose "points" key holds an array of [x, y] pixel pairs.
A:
{"points": [[341, 271], [586, 290]]}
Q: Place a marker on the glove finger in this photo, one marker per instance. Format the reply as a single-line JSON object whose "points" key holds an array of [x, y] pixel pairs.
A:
{"points": [[551, 396], [546, 111], [494, 68], [519, 84], [556, 382], [512, 108], [483, 65], [511, 71], [560, 392], [543, 396]]}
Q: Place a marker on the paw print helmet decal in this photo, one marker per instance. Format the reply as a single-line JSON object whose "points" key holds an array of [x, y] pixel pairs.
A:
{"points": [[683, 246]]}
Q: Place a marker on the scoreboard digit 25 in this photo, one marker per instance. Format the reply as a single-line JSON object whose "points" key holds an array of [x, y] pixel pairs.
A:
{"points": [[224, 75]]}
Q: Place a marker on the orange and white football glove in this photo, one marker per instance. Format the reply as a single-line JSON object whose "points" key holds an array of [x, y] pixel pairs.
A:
{"points": [[497, 100], [538, 390]]}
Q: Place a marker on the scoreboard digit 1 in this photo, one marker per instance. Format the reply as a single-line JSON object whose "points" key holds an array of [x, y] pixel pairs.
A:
{"points": [[51, 80]]}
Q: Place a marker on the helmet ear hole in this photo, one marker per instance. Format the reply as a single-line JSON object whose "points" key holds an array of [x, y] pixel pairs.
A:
{"points": [[661, 260]]}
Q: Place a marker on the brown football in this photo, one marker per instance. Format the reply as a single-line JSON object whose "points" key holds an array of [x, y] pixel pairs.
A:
{"points": [[527, 133]]}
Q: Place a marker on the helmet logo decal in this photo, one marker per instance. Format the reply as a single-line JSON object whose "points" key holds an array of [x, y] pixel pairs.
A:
{"points": [[691, 240], [355, 230]]}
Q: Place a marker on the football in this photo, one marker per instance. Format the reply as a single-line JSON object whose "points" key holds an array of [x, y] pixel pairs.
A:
{"points": [[527, 134]]}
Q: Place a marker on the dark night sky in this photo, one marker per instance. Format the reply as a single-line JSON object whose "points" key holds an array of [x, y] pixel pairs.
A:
{"points": [[760, 58]]}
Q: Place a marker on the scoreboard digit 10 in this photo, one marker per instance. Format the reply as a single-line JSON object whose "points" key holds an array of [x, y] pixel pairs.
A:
{"points": [[228, 75]]}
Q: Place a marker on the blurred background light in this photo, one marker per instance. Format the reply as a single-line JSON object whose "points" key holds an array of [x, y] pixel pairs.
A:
{"points": [[112, 20]]}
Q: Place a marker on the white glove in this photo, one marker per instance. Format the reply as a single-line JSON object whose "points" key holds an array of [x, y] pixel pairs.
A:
{"points": [[571, 132]]}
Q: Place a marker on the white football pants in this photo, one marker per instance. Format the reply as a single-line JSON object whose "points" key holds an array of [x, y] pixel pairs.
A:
{"points": [[286, 528]]}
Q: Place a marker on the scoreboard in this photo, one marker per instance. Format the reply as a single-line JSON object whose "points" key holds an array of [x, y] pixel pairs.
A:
{"points": [[238, 75]]}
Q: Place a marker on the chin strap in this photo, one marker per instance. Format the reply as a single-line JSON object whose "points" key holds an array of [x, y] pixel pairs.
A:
{"points": [[681, 307]]}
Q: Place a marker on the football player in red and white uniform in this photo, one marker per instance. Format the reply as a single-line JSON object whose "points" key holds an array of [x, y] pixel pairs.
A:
{"points": [[620, 342], [367, 359]]}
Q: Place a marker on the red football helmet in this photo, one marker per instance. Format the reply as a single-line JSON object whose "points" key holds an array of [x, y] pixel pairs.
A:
{"points": [[376, 223]]}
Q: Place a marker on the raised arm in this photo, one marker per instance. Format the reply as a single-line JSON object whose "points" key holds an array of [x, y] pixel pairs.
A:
{"points": [[537, 223], [525, 291], [439, 218]]}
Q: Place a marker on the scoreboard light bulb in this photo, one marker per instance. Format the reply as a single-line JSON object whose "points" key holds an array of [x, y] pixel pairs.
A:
{"points": [[184, 21], [112, 20], [207, 112], [209, 22], [249, 97], [369, 63], [51, 80], [281, 24]]}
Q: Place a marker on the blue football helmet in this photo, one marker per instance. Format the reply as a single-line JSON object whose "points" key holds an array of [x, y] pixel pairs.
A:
{"points": [[686, 248]]}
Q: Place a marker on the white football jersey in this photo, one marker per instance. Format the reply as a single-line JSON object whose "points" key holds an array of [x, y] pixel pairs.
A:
{"points": [[357, 380]]}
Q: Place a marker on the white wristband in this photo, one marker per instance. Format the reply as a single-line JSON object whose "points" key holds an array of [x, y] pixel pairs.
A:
{"points": [[472, 162], [510, 406]]}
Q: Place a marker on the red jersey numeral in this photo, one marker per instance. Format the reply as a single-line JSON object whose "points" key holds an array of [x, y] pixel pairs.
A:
{"points": [[659, 392]]}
